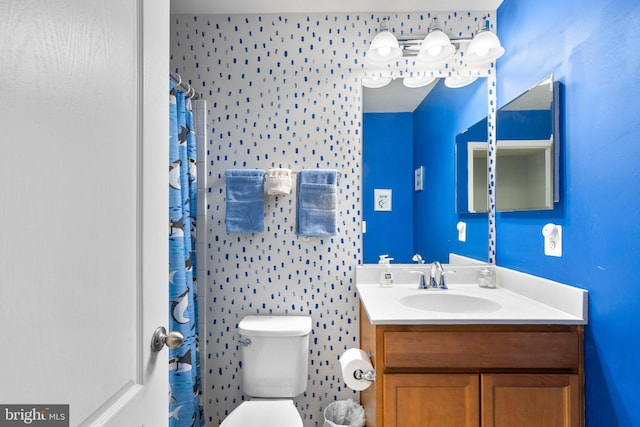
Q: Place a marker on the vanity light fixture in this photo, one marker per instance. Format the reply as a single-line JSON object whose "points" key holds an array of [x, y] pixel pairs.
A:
{"points": [[461, 59], [484, 48], [436, 48], [413, 82], [375, 82], [457, 81], [384, 48]]}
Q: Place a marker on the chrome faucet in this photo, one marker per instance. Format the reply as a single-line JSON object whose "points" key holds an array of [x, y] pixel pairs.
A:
{"points": [[436, 276]]}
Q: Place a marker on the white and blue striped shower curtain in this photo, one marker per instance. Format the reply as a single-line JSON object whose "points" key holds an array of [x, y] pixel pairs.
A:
{"points": [[185, 389]]}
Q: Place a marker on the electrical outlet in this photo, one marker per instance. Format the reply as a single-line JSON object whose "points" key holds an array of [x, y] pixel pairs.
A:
{"points": [[552, 240], [462, 231]]}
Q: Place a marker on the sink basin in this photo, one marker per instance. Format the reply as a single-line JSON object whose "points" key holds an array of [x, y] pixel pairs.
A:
{"points": [[450, 303]]}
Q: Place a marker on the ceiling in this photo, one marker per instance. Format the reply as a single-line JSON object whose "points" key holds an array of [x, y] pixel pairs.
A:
{"points": [[325, 6], [374, 100]]}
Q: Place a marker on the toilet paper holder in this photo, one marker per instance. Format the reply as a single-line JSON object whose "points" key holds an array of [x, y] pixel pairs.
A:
{"points": [[370, 375]]}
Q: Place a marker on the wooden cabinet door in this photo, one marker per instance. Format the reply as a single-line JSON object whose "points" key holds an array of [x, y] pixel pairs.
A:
{"points": [[530, 400], [431, 400]]}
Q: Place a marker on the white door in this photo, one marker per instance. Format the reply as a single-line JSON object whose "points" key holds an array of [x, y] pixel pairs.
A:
{"points": [[83, 207]]}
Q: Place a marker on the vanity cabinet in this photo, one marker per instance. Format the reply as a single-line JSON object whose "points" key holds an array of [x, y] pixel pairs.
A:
{"points": [[474, 375], [431, 400], [531, 400]]}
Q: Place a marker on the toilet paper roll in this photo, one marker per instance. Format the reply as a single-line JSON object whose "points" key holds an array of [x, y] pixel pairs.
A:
{"points": [[351, 361]]}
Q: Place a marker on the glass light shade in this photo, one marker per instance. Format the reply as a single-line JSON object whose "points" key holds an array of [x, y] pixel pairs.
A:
{"points": [[436, 48], [455, 82], [414, 82], [483, 49], [375, 82], [384, 49]]}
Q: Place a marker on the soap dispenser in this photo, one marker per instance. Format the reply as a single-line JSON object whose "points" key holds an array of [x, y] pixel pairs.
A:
{"points": [[386, 276]]}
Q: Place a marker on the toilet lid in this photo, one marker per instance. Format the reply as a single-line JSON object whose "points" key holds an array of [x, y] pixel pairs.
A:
{"points": [[264, 413]]}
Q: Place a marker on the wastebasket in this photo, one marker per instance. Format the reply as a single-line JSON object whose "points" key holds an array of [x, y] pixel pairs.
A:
{"points": [[344, 413]]}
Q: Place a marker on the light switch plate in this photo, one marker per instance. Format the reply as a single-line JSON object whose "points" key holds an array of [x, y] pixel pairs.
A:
{"points": [[418, 179], [382, 200]]}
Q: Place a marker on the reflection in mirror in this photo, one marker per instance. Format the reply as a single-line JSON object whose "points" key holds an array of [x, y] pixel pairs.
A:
{"points": [[526, 156], [395, 142]]}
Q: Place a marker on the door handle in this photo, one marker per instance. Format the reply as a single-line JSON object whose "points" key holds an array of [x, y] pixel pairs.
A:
{"points": [[161, 338]]}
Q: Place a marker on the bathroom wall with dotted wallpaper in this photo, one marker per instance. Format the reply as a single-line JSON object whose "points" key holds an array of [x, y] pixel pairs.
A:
{"points": [[283, 91]]}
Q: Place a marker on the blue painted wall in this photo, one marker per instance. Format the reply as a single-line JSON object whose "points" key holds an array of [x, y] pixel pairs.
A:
{"points": [[591, 47], [437, 120], [387, 158], [532, 124]]}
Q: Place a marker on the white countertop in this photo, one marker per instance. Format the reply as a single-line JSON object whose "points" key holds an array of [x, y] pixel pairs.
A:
{"points": [[519, 298]]}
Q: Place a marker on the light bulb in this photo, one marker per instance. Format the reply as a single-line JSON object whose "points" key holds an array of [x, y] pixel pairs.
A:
{"points": [[484, 48], [435, 50], [384, 51]]}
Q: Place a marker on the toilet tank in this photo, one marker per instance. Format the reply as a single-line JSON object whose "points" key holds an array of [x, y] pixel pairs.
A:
{"points": [[275, 354]]}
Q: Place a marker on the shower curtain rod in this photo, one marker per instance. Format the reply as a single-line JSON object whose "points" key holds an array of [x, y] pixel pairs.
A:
{"points": [[184, 86]]}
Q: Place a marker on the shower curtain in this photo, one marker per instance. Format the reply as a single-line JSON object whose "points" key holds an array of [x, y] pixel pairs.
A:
{"points": [[185, 390]]}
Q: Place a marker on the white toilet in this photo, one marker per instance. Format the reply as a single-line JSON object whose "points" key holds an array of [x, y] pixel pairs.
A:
{"points": [[275, 353]]}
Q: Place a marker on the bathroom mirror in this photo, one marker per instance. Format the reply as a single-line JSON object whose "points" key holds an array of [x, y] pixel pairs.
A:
{"points": [[528, 144], [395, 142]]}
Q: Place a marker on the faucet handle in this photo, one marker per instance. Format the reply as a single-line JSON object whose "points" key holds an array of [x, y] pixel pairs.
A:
{"points": [[442, 282], [434, 274], [421, 284]]}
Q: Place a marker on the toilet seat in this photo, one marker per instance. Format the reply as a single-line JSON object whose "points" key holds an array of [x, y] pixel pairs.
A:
{"points": [[264, 413]]}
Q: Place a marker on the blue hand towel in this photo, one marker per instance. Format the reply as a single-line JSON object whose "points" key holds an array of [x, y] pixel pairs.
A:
{"points": [[316, 208], [245, 201]]}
